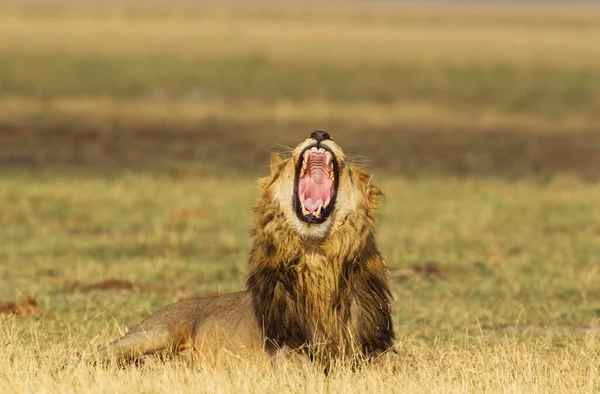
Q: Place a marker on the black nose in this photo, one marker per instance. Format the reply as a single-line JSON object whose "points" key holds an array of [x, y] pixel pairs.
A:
{"points": [[320, 135]]}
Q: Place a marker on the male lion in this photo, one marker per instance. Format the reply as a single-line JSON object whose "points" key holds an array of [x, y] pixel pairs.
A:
{"points": [[317, 285]]}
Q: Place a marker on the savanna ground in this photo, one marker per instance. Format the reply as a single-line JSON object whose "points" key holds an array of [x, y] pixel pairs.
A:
{"points": [[131, 136]]}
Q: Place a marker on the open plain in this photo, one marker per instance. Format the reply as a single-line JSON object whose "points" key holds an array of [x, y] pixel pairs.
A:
{"points": [[131, 137]]}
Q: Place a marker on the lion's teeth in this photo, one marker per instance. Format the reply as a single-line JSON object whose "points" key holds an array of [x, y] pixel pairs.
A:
{"points": [[304, 211], [327, 159], [303, 168], [305, 157], [318, 213]]}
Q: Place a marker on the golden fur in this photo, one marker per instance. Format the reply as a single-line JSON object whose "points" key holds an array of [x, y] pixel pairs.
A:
{"points": [[320, 286], [318, 289]]}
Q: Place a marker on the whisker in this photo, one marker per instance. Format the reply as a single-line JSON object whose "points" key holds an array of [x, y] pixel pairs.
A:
{"points": [[283, 147], [359, 161], [283, 150], [358, 158], [354, 155]]}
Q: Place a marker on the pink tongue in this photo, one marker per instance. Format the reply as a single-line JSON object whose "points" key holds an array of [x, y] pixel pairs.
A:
{"points": [[315, 194], [312, 206]]}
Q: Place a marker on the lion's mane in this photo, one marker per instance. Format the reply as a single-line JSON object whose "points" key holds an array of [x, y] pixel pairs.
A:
{"points": [[329, 296]]}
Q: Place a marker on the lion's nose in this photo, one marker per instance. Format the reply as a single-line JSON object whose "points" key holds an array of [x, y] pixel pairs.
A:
{"points": [[320, 135]]}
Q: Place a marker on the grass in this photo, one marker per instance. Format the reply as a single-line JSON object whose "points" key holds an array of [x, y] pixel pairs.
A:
{"points": [[131, 137], [527, 68], [512, 304]]}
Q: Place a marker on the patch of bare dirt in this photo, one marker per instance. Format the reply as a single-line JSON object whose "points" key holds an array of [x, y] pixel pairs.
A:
{"points": [[28, 306], [245, 148], [428, 270], [111, 284]]}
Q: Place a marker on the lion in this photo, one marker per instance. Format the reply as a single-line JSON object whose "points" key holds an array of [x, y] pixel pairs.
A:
{"points": [[317, 284]]}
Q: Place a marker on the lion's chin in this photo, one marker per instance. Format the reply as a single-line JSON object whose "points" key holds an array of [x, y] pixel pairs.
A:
{"points": [[315, 184]]}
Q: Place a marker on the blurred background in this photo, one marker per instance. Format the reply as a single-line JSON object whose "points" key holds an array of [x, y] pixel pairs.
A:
{"points": [[479, 89], [132, 133]]}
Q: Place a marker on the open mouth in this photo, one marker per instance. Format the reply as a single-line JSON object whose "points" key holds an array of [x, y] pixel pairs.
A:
{"points": [[315, 185]]}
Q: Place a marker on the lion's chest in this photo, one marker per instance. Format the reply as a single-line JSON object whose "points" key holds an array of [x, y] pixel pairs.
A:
{"points": [[324, 297]]}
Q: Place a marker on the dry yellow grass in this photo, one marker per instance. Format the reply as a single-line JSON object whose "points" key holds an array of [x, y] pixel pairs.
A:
{"points": [[525, 319], [471, 364], [515, 306]]}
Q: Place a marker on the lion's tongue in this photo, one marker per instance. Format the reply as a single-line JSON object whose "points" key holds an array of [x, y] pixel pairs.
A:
{"points": [[316, 186], [314, 194]]}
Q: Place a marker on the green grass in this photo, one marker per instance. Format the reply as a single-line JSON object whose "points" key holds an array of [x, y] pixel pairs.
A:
{"points": [[517, 284], [551, 93]]}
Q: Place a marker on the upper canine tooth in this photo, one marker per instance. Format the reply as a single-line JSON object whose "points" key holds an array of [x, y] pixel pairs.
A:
{"points": [[327, 159]]}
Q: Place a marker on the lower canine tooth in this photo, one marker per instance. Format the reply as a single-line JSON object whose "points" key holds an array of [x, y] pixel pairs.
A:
{"points": [[318, 213]]}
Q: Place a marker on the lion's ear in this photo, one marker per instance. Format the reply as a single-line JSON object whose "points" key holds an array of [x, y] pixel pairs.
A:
{"points": [[371, 192], [374, 193], [276, 160]]}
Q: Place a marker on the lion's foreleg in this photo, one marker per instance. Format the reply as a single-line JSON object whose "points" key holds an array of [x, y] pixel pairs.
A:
{"points": [[136, 344]]}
